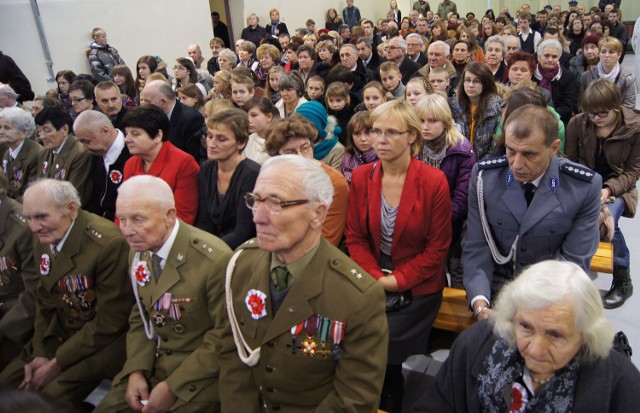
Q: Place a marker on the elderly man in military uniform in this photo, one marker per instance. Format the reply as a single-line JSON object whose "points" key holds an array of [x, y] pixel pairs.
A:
{"points": [[526, 207], [308, 329], [18, 278], [177, 274], [83, 297]]}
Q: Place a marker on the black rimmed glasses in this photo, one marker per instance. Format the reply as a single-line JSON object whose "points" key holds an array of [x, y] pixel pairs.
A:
{"points": [[601, 115], [273, 204]]}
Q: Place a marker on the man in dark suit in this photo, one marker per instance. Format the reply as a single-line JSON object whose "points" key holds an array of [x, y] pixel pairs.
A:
{"points": [[83, 297], [398, 55], [98, 136], [186, 125], [526, 207], [220, 29], [414, 49], [174, 337], [308, 326], [109, 100], [368, 54]]}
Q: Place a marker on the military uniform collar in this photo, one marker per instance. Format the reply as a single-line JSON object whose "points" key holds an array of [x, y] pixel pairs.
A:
{"points": [[59, 149], [13, 153], [164, 251], [58, 247], [297, 268]]}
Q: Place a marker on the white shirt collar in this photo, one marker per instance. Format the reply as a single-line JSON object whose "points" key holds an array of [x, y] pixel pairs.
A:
{"points": [[164, 251], [57, 151], [60, 244], [114, 151], [15, 152]]}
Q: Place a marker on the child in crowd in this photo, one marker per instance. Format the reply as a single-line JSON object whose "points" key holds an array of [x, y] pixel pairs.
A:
{"points": [[315, 89], [439, 79], [359, 148], [272, 90], [191, 96], [124, 79], [416, 89], [214, 106], [339, 105], [373, 95], [261, 112], [241, 90], [392, 80]]}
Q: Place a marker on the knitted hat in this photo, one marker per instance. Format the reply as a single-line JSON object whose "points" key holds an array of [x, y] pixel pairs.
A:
{"points": [[592, 38], [317, 114]]}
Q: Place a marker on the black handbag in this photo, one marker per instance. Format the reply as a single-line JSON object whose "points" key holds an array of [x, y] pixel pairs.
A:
{"points": [[397, 301]]}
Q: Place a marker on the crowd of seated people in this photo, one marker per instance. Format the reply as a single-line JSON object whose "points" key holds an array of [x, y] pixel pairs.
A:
{"points": [[405, 114]]}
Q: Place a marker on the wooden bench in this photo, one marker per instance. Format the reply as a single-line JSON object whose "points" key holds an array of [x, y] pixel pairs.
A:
{"points": [[454, 314]]}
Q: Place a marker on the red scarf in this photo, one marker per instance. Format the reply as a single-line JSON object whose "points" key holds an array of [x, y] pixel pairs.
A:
{"points": [[547, 77]]}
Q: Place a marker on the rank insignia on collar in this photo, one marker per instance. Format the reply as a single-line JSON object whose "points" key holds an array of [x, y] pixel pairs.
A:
{"points": [[141, 272], [509, 178], [180, 257], [256, 302], [45, 265], [115, 176]]}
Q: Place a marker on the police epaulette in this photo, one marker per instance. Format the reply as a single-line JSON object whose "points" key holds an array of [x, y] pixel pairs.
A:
{"points": [[578, 172], [492, 163]]}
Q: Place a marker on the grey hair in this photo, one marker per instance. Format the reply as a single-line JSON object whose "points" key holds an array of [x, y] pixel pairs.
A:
{"points": [[401, 42], [61, 193], [445, 47], [549, 43], [91, 119], [7, 90], [551, 282], [416, 36], [150, 188], [350, 46], [507, 38], [20, 119], [229, 55], [315, 182], [496, 38]]}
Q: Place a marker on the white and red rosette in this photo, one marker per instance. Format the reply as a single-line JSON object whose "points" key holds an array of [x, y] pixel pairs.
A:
{"points": [[256, 302], [45, 265], [142, 273], [115, 176]]}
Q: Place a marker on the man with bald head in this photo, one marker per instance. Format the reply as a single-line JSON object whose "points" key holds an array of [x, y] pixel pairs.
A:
{"points": [[195, 53], [308, 326], [98, 136], [177, 274], [83, 297], [186, 125]]}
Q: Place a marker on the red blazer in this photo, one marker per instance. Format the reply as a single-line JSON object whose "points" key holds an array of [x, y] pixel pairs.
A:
{"points": [[422, 232], [179, 170]]}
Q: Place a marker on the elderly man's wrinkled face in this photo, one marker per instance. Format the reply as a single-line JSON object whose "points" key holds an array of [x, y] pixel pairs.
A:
{"points": [[145, 224], [51, 137], [194, 53], [547, 339], [283, 233], [348, 57], [46, 220], [6, 101], [437, 58], [9, 134]]}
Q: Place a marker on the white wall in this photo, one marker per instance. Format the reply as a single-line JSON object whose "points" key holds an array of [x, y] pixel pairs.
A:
{"points": [[157, 27]]}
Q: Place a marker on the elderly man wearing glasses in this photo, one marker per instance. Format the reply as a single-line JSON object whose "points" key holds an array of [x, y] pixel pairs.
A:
{"points": [[307, 325]]}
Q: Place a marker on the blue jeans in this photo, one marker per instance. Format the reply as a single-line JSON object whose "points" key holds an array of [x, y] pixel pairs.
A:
{"points": [[620, 251]]}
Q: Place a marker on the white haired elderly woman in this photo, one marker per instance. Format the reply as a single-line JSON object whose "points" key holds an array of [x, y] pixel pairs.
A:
{"points": [[8, 97], [547, 348], [561, 82], [20, 157]]}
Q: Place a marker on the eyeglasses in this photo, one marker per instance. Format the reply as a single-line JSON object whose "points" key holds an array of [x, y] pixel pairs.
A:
{"points": [[273, 204], [297, 151], [472, 81], [395, 47], [389, 133], [77, 99], [601, 115]]}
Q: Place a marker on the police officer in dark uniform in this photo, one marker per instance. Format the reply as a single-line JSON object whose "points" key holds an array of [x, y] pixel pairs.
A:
{"points": [[526, 207], [308, 326]]}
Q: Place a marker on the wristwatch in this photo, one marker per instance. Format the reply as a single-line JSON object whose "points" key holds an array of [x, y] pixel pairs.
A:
{"points": [[478, 310]]}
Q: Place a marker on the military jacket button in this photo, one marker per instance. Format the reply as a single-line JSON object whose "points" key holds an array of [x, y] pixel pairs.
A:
{"points": [[191, 387], [269, 368]]}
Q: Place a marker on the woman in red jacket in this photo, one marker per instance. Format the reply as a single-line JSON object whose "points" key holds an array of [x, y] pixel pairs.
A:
{"points": [[399, 231], [147, 139]]}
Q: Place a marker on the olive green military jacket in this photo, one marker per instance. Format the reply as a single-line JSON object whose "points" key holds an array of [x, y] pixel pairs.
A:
{"points": [[71, 164], [18, 277], [83, 299], [338, 368], [22, 170], [192, 285]]}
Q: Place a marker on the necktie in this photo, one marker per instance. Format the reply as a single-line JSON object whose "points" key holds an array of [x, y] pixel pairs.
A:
{"points": [[529, 192], [282, 277], [155, 261]]}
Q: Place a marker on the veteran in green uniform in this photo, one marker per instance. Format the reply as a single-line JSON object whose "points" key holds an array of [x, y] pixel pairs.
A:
{"points": [[63, 157], [177, 272], [308, 330], [20, 159], [18, 278], [83, 297]]}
